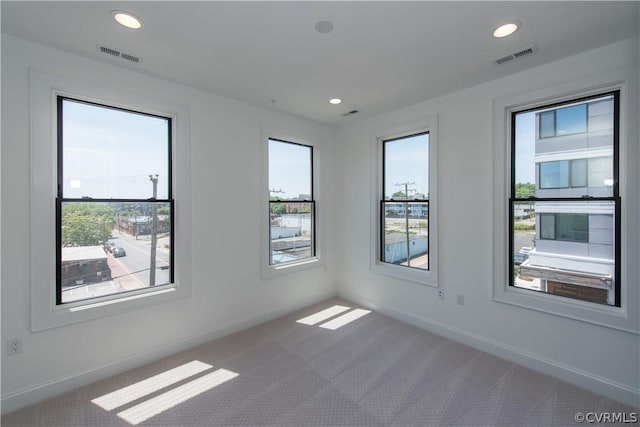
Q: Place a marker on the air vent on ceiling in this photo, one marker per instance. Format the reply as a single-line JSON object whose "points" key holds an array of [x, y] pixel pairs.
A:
{"points": [[116, 53], [106, 50], [350, 113], [130, 57], [519, 54]]}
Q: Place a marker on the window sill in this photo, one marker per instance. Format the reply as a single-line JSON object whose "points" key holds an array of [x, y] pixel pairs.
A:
{"points": [[81, 311], [278, 270], [423, 277], [584, 311]]}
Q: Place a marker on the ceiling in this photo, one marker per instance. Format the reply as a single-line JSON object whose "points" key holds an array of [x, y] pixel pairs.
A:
{"points": [[379, 57]]}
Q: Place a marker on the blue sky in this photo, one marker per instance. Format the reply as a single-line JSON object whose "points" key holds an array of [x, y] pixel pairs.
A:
{"points": [[407, 160], [110, 153], [96, 137], [525, 147], [289, 169]]}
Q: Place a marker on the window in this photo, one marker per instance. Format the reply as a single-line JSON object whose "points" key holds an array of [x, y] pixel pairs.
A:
{"points": [[405, 204], [547, 124], [562, 121], [291, 203], [571, 119], [114, 214], [554, 175], [567, 227], [404, 225], [565, 234], [576, 173], [47, 198]]}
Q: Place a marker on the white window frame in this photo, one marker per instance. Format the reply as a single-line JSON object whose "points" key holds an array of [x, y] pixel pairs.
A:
{"points": [[44, 90], [271, 271], [621, 318], [381, 134]]}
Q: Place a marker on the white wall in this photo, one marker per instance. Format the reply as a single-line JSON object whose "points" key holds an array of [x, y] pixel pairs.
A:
{"points": [[227, 291], [602, 358]]}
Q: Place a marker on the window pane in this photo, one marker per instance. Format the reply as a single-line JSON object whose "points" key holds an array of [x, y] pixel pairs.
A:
{"points": [[554, 174], [547, 226], [524, 233], [291, 231], [563, 239], [547, 124], [290, 171], [601, 116], [571, 119], [575, 254], [524, 152], [560, 162], [579, 173], [291, 207], [110, 153], [406, 168], [405, 225], [106, 248], [406, 231], [601, 172], [572, 227]]}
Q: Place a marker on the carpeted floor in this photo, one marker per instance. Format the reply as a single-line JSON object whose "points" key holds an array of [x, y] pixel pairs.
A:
{"points": [[311, 371]]}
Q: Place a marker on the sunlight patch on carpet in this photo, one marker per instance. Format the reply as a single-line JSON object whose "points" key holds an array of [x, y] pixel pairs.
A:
{"points": [[150, 385], [323, 315], [165, 401], [345, 319]]}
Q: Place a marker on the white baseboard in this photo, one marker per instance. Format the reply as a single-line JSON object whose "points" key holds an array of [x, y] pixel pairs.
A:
{"points": [[569, 374], [29, 396]]}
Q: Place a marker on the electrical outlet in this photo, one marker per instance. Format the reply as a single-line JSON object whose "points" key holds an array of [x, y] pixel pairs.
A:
{"points": [[460, 298], [441, 294], [14, 346]]}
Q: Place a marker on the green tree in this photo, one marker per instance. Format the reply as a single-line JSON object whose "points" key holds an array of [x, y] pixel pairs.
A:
{"points": [[278, 208], [163, 211], [524, 190], [86, 224], [399, 195], [130, 213]]}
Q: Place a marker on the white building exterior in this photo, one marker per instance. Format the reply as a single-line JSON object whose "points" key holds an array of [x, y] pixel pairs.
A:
{"points": [[574, 253]]}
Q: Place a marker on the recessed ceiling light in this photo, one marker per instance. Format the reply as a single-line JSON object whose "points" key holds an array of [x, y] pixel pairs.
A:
{"points": [[335, 101], [126, 19], [506, 29]]}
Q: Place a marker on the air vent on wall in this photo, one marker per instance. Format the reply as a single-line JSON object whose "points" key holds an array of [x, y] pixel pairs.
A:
{"points": [[117, 54], [519, 54]]}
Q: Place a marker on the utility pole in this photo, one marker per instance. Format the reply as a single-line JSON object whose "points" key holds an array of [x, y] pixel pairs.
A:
{"points": [[406, 215], [154, 230]]}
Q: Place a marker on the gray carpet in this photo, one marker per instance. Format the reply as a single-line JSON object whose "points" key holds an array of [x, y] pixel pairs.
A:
{"points": [[373, 371]]}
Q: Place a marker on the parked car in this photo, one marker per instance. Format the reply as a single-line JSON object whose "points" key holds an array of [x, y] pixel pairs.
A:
{"points": [[108, 246], [519, 258], [119, 252]]}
